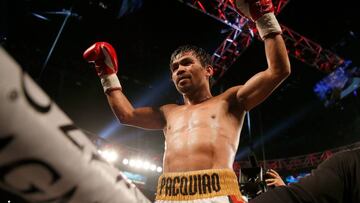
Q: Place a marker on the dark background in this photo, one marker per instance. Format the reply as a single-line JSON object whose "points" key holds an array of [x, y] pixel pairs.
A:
{"points": [[292, 121]]}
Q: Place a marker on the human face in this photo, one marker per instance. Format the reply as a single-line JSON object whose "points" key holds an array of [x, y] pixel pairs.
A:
{"points": [[187, 73]]}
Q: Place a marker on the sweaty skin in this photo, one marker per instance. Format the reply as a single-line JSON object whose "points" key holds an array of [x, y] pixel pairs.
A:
{"points": [[201, 136], [204, 132]]}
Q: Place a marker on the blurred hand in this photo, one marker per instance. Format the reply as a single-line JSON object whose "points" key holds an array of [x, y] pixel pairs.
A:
{"points": [[274, 179]]}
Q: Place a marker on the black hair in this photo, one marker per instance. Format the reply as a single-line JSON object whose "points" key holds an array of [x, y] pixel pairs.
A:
{"points": [[203, 56]]}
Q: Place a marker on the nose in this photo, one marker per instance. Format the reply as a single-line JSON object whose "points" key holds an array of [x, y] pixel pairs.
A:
{"points": [[180, 70]]}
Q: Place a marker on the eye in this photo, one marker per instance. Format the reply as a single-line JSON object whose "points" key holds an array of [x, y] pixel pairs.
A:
{"points": [[174, 67], [186, 62]]}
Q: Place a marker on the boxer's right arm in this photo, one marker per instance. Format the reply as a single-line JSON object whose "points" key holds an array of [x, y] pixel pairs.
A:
{"points": [[104, 57], [143, 117]]}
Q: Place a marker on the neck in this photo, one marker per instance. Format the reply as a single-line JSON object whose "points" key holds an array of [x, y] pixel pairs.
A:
{"points": [[197, 97]]}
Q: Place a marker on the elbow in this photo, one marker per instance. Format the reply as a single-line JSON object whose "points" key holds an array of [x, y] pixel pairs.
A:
{"points": [[288, 69], [284, 72], [124, 118], [283, 75], [281, 68]]}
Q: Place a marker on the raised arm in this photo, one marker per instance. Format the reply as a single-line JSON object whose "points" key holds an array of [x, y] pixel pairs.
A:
{"points": [[104, 57], [261, 85], [143, 117]]}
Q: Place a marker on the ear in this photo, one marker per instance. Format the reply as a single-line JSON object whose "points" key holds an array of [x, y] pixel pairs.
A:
{"points": [[209, 71]]}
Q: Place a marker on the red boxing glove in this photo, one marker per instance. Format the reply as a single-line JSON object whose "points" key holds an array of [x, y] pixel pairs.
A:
{"points": [[261, 12], [103, 55], [254, 9]]}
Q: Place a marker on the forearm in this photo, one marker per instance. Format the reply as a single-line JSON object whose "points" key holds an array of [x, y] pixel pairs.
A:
{"points": [[276, 55], [120, 105], [142, 117]]}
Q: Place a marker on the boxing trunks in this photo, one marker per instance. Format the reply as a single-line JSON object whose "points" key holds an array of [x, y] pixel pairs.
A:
{"points": [[203, 186]]}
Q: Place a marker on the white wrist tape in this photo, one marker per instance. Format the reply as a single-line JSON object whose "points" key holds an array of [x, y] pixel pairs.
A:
{"points": [[110, 82], [267, 24]]}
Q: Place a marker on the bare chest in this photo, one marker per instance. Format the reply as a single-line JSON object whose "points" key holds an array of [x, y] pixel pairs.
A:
{"points": [[190, 118]]}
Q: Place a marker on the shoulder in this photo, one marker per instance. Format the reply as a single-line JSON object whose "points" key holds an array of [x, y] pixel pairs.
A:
{"points": [[230, 96], [231, 92], [168, 107]]}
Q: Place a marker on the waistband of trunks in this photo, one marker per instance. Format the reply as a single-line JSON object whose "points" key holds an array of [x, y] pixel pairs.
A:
{"points": [[197, 185]]}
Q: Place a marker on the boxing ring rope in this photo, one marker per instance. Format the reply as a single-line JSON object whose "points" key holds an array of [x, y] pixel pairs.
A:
{"points": [[44, 157], [305, 161]]}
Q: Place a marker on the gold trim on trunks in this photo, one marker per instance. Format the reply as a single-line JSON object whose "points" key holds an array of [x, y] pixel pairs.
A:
{"points": [[197, 185]]}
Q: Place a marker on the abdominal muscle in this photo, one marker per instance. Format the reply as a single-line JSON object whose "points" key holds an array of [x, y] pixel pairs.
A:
{"points": [[199, 148]]}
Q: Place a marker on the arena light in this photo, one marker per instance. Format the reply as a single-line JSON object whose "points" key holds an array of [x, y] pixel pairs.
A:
{"points": [[142, 165], [109, 154], [138, 163], [338, 84], [125, 161], [146, 165], [294, 179], [132, 162], [152, 167]]}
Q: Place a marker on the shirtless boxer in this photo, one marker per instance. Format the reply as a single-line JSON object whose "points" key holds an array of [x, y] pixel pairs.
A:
{"points": [[202, 135]]}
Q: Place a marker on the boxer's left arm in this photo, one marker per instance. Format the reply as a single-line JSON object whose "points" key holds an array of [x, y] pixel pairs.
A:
{"points": [[262, 84]]}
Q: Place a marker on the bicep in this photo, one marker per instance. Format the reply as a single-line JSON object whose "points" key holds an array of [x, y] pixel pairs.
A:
{"points": [[258, 88], [144, 117]]}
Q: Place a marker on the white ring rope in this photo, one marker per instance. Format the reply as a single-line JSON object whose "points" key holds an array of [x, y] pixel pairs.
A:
{"points": [[43, 156]]}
